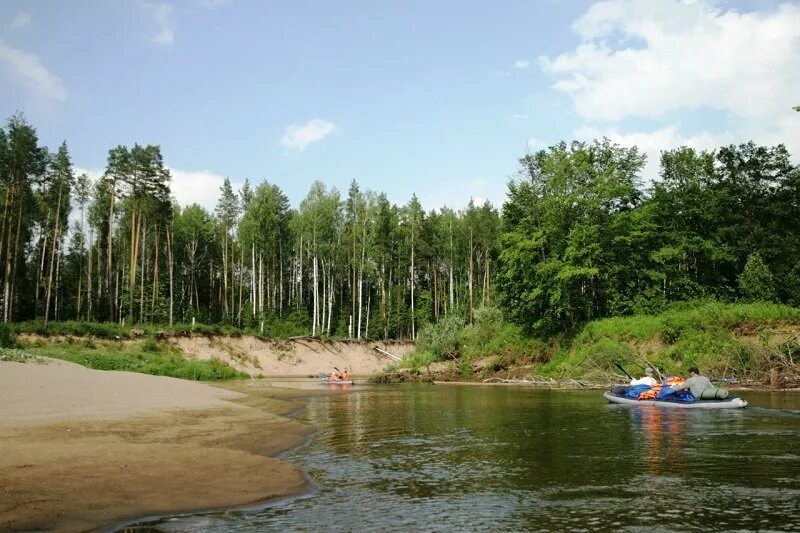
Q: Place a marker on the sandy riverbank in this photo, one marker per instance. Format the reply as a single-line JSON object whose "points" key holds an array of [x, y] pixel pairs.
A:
{"points": [[81, 448], [263, 357]]}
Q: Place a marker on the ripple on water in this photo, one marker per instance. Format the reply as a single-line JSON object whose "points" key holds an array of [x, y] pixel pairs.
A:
{"points": [[502, 459]]}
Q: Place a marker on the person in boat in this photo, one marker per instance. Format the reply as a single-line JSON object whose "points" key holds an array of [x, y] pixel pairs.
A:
{"points": [[647, 379], [346, 375], [334, 375], [700, 386]]}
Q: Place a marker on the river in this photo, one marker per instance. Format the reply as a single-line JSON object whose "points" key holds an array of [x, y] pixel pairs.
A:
{"points": [[459, 457]]}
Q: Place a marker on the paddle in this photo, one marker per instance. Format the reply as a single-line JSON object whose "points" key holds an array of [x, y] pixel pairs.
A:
{"points": [[618, 365]]}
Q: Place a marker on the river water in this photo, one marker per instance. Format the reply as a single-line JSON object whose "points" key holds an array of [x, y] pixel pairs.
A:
{"points": [[470, 458]]}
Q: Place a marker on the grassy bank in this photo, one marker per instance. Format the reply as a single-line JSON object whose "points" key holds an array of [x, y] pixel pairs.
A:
{"points": [[750, 341], [146, 357]]}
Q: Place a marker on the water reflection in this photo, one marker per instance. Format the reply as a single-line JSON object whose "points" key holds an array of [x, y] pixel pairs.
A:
{"points": [[486, 459], [663, 434]]}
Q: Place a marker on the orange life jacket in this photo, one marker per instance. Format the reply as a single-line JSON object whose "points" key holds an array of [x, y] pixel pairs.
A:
{"points": [[652, 394]]}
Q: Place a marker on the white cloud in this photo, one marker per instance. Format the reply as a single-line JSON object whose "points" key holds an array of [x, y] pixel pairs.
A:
{"points": [[187, 186], [20, 21], [163, 21], [197, 187], [665, 58], [300, 136], [520, 116], [478, 201], [644, 59], [29, 71], [521, 64], [214, 4], [93, 173], [533, 142], [654, 142]]}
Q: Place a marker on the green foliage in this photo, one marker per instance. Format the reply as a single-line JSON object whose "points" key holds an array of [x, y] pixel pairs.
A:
{"points": [[709, 334], [792, 286], [441, 339], [489, 336], [8, 337], [417, 360], [18, 356], [579, 239], [292, 325], [756, 282]]}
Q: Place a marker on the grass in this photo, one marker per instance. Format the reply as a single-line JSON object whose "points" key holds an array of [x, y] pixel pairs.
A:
{"points": [[723, 339], [18, 356], [146, 357]]}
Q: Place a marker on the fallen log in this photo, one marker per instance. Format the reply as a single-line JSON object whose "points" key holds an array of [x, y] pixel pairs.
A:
{"points": [[387, 354]]}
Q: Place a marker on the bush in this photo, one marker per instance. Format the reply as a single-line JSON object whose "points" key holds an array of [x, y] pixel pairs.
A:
{"points": [[441, 339]]}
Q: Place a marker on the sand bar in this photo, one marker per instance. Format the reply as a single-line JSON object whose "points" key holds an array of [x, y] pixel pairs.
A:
{"points": [[80, 448]]}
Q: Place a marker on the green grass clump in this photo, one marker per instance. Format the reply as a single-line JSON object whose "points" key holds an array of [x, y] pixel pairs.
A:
{"points": [[18, 356], [715, 336], [147, 358]]}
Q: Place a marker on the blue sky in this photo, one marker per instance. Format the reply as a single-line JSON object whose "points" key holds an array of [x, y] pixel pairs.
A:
{"points": [[434, 98]]}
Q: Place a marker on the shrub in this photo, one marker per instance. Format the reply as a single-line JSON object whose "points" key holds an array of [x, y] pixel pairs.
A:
{"points": [[441, 340]]}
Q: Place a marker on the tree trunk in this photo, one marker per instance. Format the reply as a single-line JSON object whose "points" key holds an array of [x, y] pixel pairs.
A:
{"points": [[56, 282], [383, 300], [155, 276], [89, 278], [142, 237], [111, 287], [169, 260], [314, 317], [9, 259], [40, 274], [253, 276], [241, 283], [132, 259], [470, 275], [260, 284], [225, 273], [12, 294], [366, 327], [280, 275], [411, 268]]}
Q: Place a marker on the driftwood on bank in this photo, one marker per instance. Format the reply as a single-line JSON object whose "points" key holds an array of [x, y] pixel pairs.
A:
{"points": [[387, 354]]}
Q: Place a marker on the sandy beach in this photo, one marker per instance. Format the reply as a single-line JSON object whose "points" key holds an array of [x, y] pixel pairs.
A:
{"points": [[81, 449]]}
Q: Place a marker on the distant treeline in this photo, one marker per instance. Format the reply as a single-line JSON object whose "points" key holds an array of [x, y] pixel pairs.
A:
{"points": [[580, 237]]}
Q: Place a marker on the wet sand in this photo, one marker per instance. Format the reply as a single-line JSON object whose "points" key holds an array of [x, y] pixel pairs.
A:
{"points": [[81, 449]]}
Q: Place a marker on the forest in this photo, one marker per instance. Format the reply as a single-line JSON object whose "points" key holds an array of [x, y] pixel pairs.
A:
{"points": [[583, 234]]}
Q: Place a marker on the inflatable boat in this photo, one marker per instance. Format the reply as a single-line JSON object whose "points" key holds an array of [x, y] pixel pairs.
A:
{"points": [[731, 402], [327, 381]]}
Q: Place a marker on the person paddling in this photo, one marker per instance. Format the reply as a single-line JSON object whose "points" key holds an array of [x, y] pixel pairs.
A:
{"points": [[648, 378], [700, 386]]}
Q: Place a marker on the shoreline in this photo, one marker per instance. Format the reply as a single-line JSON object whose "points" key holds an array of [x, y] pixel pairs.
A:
{"points": [[84, 449]]}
